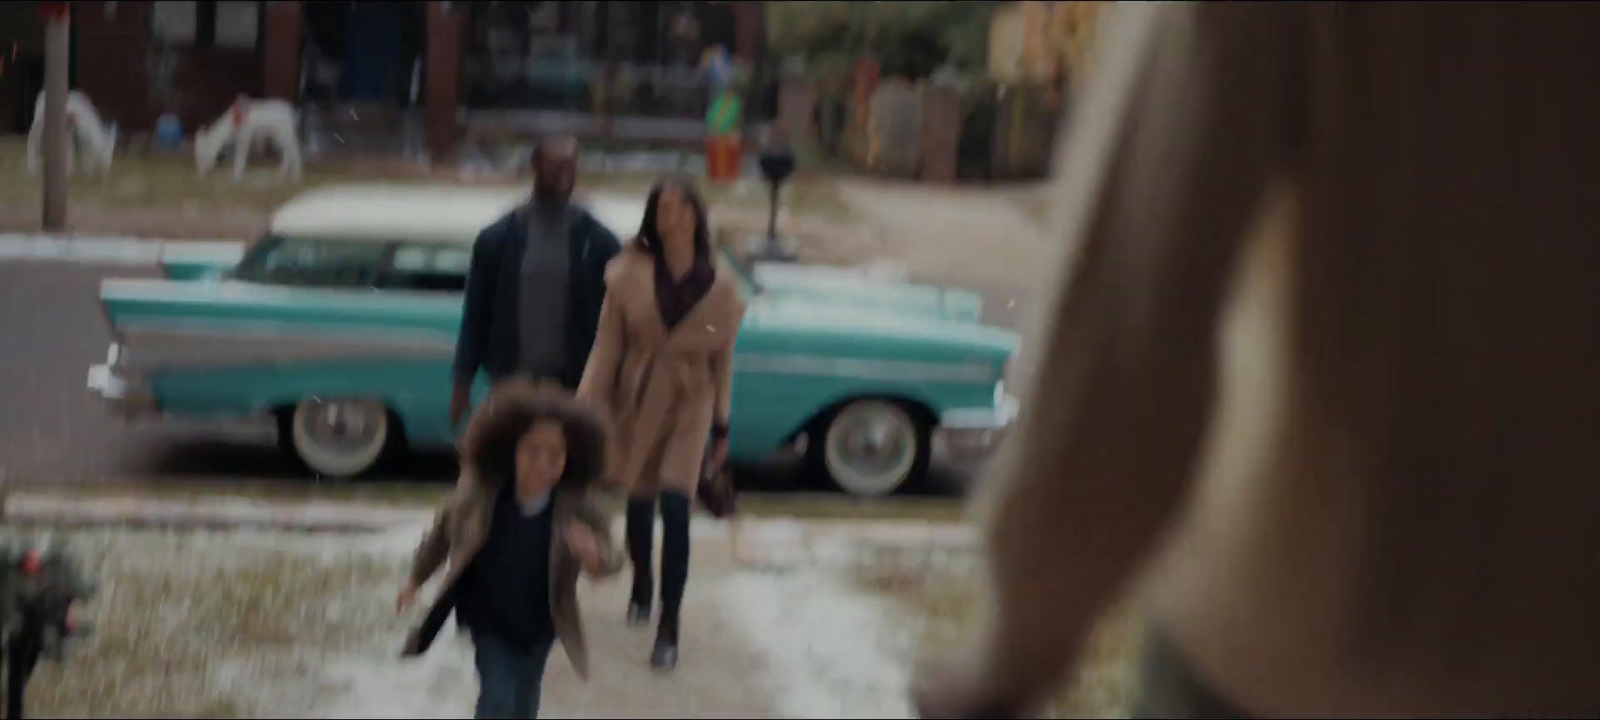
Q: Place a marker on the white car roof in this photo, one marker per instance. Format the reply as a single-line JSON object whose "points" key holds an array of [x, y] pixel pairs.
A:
{"points": [[427, 213]]}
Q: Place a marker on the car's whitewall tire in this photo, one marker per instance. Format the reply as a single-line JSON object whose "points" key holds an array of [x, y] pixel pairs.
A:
{"points": [[340, 437], [872, 448]]}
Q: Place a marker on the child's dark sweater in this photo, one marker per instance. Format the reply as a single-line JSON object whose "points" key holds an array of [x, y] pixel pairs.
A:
{"points": [[506, 590]]}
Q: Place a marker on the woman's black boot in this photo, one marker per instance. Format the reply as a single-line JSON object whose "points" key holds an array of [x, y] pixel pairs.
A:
{"points": [[664, 656], [639, 604], [640, 530], [674, 575]]}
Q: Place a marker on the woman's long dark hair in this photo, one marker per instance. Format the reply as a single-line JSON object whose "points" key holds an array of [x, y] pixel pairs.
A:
{"points": [[649, 238]]}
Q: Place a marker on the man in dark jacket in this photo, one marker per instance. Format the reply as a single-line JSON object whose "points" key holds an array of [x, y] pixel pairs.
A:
{"points": [[536, 284]]}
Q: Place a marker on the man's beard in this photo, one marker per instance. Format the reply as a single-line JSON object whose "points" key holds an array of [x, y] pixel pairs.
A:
{"points": [[551, 197]]}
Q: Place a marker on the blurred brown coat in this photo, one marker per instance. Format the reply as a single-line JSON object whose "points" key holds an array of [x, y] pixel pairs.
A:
{"points": [[488, 463], [1332, 326]]}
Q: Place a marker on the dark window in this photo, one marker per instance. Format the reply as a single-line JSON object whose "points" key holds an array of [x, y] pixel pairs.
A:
{"points": [[226, 24], [644, 57], [433, 268], [526, 55], [308, 262]]}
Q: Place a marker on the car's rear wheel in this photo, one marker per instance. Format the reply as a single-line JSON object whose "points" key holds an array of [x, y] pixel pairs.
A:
{"points": [[871, 448], [339, 437]]}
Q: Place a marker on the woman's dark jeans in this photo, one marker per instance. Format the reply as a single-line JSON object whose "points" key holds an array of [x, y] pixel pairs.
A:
{"points": [[510, 681], [675, 508]]}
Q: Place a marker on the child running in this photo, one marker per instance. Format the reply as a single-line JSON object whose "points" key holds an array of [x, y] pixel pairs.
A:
{"points": [[521, 526]]}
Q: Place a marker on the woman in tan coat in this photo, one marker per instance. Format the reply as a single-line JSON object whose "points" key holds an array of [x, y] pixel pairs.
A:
{"points": [[661, 367]]}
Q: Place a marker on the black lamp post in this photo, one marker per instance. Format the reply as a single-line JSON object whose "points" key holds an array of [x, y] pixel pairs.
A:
{"points": [[777, 164]]}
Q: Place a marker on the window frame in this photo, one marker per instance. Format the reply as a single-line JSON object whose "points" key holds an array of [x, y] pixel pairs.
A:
{"points": [[204, 36], [252, 269], [386, 277]]}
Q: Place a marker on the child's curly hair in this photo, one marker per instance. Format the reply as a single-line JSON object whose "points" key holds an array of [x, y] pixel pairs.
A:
{"points": [[489, 446]]}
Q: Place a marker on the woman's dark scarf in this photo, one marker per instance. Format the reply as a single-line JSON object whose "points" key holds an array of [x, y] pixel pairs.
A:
{"points": [[675, 298]]}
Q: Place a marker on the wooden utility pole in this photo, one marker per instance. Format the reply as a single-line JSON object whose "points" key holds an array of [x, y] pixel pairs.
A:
{"points": [[56, 16]]}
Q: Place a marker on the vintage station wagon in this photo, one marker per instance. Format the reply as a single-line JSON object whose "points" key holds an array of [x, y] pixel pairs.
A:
{"points": [[340, 324]]}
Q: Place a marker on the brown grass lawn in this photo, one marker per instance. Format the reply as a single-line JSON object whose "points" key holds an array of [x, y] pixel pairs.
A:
{"points": [[194, 624], [141, 183]]}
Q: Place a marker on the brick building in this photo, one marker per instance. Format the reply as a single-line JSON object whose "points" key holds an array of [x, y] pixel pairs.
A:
{"points": [[442, 65]]}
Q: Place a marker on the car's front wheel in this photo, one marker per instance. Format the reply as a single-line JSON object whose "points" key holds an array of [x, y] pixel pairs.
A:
{"points": [[871, 448], [338, 437]]}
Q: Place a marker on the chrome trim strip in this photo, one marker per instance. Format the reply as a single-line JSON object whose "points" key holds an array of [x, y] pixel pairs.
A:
{"points": [[996, 418], [202, 343], [862, 369], [111, 250], [229, 291]]}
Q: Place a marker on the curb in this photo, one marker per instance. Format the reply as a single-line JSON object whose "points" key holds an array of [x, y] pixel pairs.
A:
{"points": [[755, 542], [220, 514], [111, 250]]}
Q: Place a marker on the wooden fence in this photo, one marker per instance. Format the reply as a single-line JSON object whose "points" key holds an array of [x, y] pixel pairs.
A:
{"points": [[933, 131]]}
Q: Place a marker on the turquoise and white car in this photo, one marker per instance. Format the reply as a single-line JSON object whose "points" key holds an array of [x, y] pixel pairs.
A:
{"points": [[340, 323]]}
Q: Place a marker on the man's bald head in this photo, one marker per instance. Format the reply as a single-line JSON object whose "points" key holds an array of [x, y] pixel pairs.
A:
{"points": [[555, 146], [555, 168]]}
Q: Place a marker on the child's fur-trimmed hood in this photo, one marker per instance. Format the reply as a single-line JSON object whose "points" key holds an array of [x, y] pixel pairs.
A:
{"points": [[489, 445]]}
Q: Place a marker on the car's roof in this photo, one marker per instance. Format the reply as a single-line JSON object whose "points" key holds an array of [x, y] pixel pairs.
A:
{"points": [[426, 213]]}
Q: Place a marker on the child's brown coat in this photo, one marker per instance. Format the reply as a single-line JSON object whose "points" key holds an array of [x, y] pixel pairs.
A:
{"points": [[488, 462]]}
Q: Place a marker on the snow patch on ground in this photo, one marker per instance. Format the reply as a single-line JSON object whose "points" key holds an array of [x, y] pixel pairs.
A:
{"points": [[440, 684], [818, 647], [827, 646], [375, 683], [775, 627]]}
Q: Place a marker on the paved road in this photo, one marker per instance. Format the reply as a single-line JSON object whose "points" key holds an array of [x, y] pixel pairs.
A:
{"points": [[51, 330], [52, 432]]}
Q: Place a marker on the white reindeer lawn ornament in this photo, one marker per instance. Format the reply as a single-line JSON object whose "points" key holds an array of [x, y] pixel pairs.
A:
{"points": [[84, 128], [247, 122]]}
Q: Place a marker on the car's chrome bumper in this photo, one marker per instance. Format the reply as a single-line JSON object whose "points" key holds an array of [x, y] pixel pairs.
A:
{"points": [[970, 436], [121, 390]]}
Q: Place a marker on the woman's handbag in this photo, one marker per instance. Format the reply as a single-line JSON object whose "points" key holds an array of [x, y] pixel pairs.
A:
{"points": [[716, 491]]}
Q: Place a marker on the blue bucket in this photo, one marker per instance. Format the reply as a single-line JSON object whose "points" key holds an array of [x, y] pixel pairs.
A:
{"points": [[169, 132]]}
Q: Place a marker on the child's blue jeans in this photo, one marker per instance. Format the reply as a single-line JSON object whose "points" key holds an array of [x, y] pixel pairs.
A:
{"points": [[509, 680]]}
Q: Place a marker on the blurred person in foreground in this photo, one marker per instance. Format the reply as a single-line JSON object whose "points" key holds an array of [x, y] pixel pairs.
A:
{"points": [[1322, 384], [536, 284], [522, 525]]}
